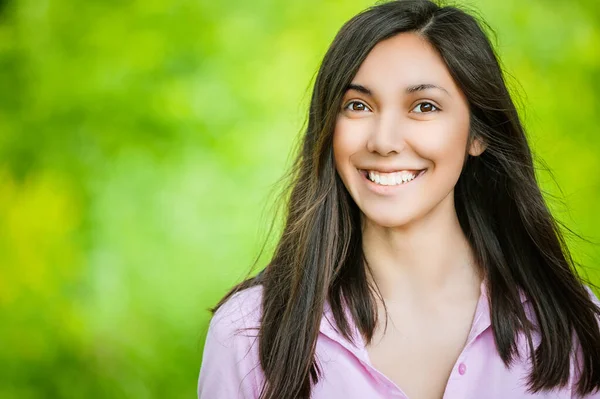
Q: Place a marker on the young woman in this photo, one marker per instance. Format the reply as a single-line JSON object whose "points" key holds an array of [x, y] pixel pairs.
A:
{"points": [[418, 257]]}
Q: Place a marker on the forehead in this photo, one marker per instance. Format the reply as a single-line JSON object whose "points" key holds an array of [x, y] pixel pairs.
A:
{"points": [[403, 60]]}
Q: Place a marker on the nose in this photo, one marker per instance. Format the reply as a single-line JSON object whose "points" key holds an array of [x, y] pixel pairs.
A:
{"points": [[387, 136]]}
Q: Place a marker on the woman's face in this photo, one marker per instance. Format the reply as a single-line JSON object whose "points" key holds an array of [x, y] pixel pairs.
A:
{"points": [[402, 118]]}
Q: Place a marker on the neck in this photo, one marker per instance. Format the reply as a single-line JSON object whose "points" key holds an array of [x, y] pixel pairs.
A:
{"points": [[430, 258]]}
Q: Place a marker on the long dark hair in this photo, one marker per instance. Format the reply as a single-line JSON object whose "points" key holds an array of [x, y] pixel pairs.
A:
{"points": [[499, 204]]}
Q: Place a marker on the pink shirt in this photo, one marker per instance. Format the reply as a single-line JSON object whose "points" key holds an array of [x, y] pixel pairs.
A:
{"points": [[230, 364]]}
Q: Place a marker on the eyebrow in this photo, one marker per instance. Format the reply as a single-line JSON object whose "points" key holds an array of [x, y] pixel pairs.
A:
{"points": [[408, 90]]}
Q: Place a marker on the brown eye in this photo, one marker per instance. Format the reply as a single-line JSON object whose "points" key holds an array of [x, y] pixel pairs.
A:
{"points": [[356, 106], [425, 107]]}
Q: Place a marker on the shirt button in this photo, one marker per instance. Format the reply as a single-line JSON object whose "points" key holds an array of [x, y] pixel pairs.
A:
{"points": [[462, 369]]}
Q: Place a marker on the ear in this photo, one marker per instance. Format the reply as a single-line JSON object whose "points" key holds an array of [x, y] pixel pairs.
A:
{"points": [[477, 147]]}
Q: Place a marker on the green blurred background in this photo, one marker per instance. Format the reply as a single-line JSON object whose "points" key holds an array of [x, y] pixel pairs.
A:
{"points": [[139, 146]]}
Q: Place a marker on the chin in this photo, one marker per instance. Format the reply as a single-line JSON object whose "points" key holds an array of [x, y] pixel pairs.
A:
{"points": [[379, 219]]}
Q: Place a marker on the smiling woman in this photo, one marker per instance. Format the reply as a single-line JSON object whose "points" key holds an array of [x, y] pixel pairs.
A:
{"points": [[418, 258]]}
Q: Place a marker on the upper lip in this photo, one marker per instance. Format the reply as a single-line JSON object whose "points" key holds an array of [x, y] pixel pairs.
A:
{"points": [[390, 170]]}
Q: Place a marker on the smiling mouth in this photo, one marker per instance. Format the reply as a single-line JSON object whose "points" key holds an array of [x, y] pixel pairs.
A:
{"points": [[391, 179]]}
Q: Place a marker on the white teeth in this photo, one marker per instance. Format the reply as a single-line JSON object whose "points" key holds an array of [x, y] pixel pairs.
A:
{"points": [[391, 179]]}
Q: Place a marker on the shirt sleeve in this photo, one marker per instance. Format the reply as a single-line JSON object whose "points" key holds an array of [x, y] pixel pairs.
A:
{"points": [[230, 366]]}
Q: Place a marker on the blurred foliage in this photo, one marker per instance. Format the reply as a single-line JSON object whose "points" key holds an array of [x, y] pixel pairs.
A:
{"points": [[139, 142]]}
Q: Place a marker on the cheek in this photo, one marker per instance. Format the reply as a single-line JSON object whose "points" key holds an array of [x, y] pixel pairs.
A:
{"points": [[347, 140], [444, 143]]}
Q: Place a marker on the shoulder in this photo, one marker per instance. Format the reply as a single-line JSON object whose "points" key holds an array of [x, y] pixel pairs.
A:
{"points": [[593, 296], [577, 356], [231, 349], [529, 308], [242, 310]]}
